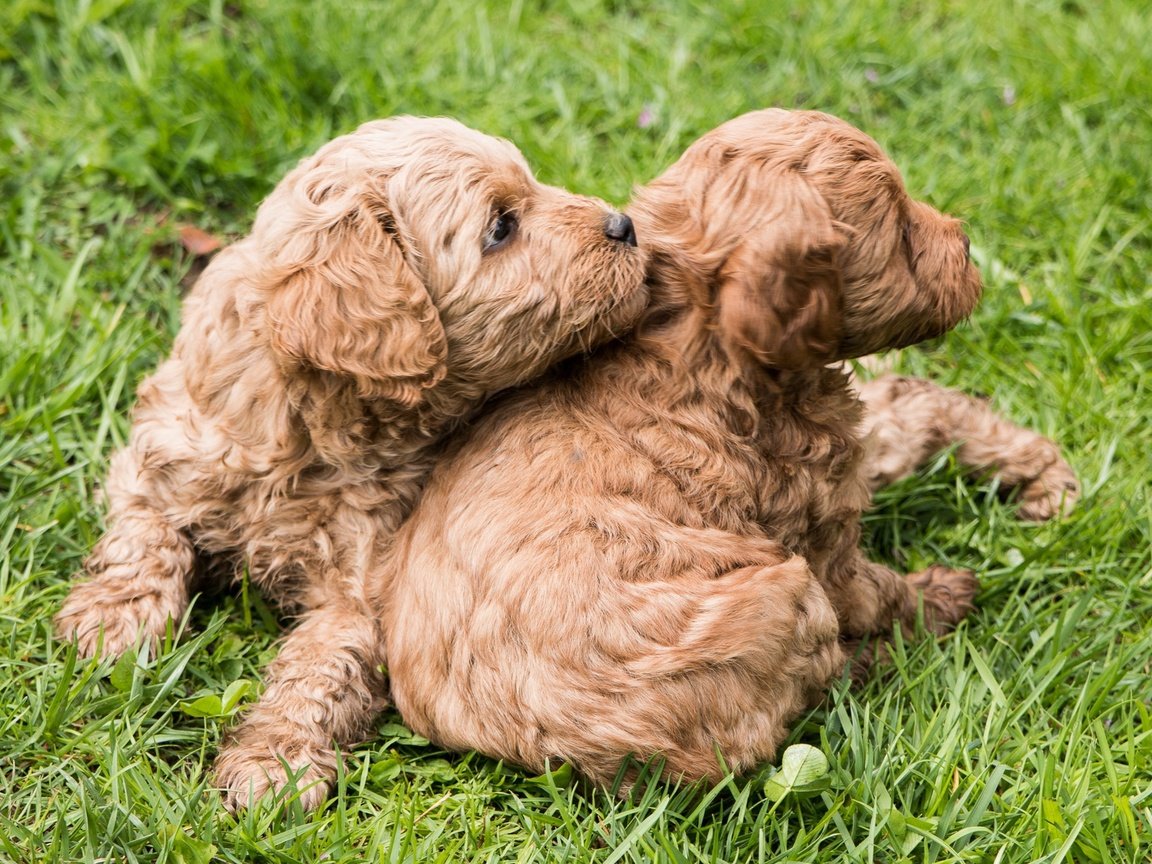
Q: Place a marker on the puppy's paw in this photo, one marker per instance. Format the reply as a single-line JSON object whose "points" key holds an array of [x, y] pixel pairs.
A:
{"points": [[246, 773], [108, 617], [1052, 494], [947, 594]]}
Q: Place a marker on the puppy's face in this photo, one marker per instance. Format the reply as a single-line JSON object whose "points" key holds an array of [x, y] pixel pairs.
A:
{"points": [[798, 233], [416, 251]]}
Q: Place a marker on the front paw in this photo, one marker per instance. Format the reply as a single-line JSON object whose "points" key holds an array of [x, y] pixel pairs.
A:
{"points": [[250, 770], [1051, 494], [106, 618], [948, 595]]}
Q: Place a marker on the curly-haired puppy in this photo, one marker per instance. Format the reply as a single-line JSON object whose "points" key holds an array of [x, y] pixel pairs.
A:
{"points": [[391, 283], [658, 555]]}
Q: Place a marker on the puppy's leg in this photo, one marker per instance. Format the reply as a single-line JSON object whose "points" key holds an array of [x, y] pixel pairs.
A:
{"points": [[139, 570], [869, 605], [869, 597], [910, 420], [874, 597], [323, 690], [718, 650]]}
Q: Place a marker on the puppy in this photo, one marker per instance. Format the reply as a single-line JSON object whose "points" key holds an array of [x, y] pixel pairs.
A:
{"points": [[391, 283], [658, 554]]}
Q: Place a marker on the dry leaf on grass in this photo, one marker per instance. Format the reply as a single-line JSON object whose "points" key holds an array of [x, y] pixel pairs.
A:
{"points": [[197, 241]]}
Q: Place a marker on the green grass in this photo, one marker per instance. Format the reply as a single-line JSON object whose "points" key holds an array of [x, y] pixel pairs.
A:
{"points": [[1026, 736]]}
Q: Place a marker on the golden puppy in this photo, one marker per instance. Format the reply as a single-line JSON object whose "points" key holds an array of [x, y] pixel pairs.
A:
{"points": [[658, 555], [391, 283]]}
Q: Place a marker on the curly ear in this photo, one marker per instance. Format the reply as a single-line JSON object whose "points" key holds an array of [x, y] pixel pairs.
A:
{"points": [[779, 290], [342, 299]]}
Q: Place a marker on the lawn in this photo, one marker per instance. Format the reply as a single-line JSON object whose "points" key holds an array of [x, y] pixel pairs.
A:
{"points": [[1025, 736]]}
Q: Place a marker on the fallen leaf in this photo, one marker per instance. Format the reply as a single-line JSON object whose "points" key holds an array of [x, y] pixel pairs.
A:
{"points": [[197, 241]]}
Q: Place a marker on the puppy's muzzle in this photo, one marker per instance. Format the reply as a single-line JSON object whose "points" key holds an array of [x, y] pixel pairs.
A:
{"points": [[620, 228]]}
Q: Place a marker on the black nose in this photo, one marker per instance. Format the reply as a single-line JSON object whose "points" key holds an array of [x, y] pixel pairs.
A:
{"points": [[619, 227]]}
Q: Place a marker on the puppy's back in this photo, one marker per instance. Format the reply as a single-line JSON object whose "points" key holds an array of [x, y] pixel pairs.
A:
{"points": [[553, 597]]}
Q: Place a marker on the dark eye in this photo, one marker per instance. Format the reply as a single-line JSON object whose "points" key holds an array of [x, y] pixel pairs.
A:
{"points": [[502, 228]]}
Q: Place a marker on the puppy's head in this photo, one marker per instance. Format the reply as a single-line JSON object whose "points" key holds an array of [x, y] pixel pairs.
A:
{"points": [[416, 252], [794, 229]]}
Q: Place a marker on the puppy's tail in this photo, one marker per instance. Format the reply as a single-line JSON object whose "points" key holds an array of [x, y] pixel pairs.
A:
{"points": [[763, 618]]}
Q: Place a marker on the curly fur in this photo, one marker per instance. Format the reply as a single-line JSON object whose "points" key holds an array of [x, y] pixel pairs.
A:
{"points": [[320, 361], [657, 554]]}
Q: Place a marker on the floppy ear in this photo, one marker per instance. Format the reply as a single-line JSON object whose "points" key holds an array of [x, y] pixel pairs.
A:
{"points": [[779, 290], [343, 300]]}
